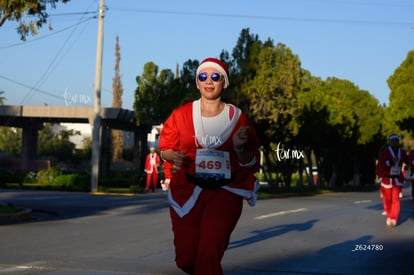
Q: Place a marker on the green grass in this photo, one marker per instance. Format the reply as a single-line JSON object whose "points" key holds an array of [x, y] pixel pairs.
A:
{"points": [[51, 187]]}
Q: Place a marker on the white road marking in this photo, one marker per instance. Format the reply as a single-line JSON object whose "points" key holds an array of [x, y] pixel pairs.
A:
{"points": [[363, 201], [26, 266], [281, 213]]}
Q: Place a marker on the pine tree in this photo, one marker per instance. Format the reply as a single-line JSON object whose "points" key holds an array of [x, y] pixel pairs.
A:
{"points": [[117, 90]]}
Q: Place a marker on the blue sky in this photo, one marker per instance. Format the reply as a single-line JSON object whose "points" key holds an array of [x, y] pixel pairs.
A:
{"points": [[362, 41]]}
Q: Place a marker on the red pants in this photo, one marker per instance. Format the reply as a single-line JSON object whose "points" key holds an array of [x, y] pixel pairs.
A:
{"points": [[392, 201], [382, 197], [202, 236], [152, 179]]}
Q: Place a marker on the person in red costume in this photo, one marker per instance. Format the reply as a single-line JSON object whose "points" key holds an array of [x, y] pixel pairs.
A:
{"points": [[390, 175], [214, 150], [410, 176], [152, 162]]}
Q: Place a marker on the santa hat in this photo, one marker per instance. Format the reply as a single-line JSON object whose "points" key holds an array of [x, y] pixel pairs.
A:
{"points": [[216, 64], [393, 136]]}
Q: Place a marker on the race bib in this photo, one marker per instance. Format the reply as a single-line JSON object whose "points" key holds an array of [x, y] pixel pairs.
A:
{"points": [[212, 163], [395, 170]]}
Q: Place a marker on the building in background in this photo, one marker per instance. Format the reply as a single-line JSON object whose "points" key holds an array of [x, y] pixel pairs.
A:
{"points": [[154, 136]]}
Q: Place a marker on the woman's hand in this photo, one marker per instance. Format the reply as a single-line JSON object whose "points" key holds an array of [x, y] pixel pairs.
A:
{"points": [[178, 159], [175, 157], [240, 138]]}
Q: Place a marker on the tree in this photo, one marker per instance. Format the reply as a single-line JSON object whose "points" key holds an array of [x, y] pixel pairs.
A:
{"points": [[153, 95], [272, 91], [15, 10], [336, 125], [2, 98], [117, 91], [186, 89], [10, 140], [157, 95], [57, 144], [312, 121], [243, 66], [341, 124], [401, 84]]}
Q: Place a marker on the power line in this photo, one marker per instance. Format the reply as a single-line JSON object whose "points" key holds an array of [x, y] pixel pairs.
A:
{"points": [[32, 88], [72, 13], [262, 17], [48, 35], [54, 61], [360, 3], [51, 65]]}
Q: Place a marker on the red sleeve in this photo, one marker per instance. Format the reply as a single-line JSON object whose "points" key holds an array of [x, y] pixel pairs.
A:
{"points": [[253, 143], [381, 166], [167, 169], [169, 137], [178, 131]]}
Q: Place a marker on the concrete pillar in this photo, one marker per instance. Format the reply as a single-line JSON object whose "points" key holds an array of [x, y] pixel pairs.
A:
{"points": [[136, 161], [29, 140], [105, 151]]}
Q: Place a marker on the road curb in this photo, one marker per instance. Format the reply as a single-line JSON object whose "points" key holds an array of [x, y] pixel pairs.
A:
{"points": [[21, 216]]}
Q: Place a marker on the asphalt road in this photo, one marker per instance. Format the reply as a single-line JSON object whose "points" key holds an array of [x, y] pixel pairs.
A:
{"points": [[87, 234]]}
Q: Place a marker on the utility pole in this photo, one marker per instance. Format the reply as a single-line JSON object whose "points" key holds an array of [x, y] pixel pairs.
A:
{"points": [[96, 130]]}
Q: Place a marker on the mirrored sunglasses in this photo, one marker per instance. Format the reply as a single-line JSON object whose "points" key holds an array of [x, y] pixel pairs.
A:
{"points": [[214, 76]]}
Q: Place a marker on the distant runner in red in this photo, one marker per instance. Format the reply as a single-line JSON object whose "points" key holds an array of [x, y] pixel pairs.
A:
{"points": [[152, 162], [411, 175], [390, 175], [214, 149]]}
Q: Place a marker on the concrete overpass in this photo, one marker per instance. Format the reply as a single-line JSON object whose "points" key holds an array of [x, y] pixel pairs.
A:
{"points": [[32, 118], [19, 116]]}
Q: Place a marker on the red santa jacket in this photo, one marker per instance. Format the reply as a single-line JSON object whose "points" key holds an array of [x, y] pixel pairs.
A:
{"points": [[152, 167], [181, 132], [388, 171]]}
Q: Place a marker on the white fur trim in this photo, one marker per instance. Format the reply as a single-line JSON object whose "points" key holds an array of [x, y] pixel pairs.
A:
{"points": [[216, 66], [250, 196], [249, 164], [181, 211], [386, 185], [200, 131], [188, 205]]}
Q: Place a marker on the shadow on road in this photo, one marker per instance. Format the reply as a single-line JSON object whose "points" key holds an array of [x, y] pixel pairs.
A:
{"points": [[386, 257], [47, 205], [261, 235]]}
